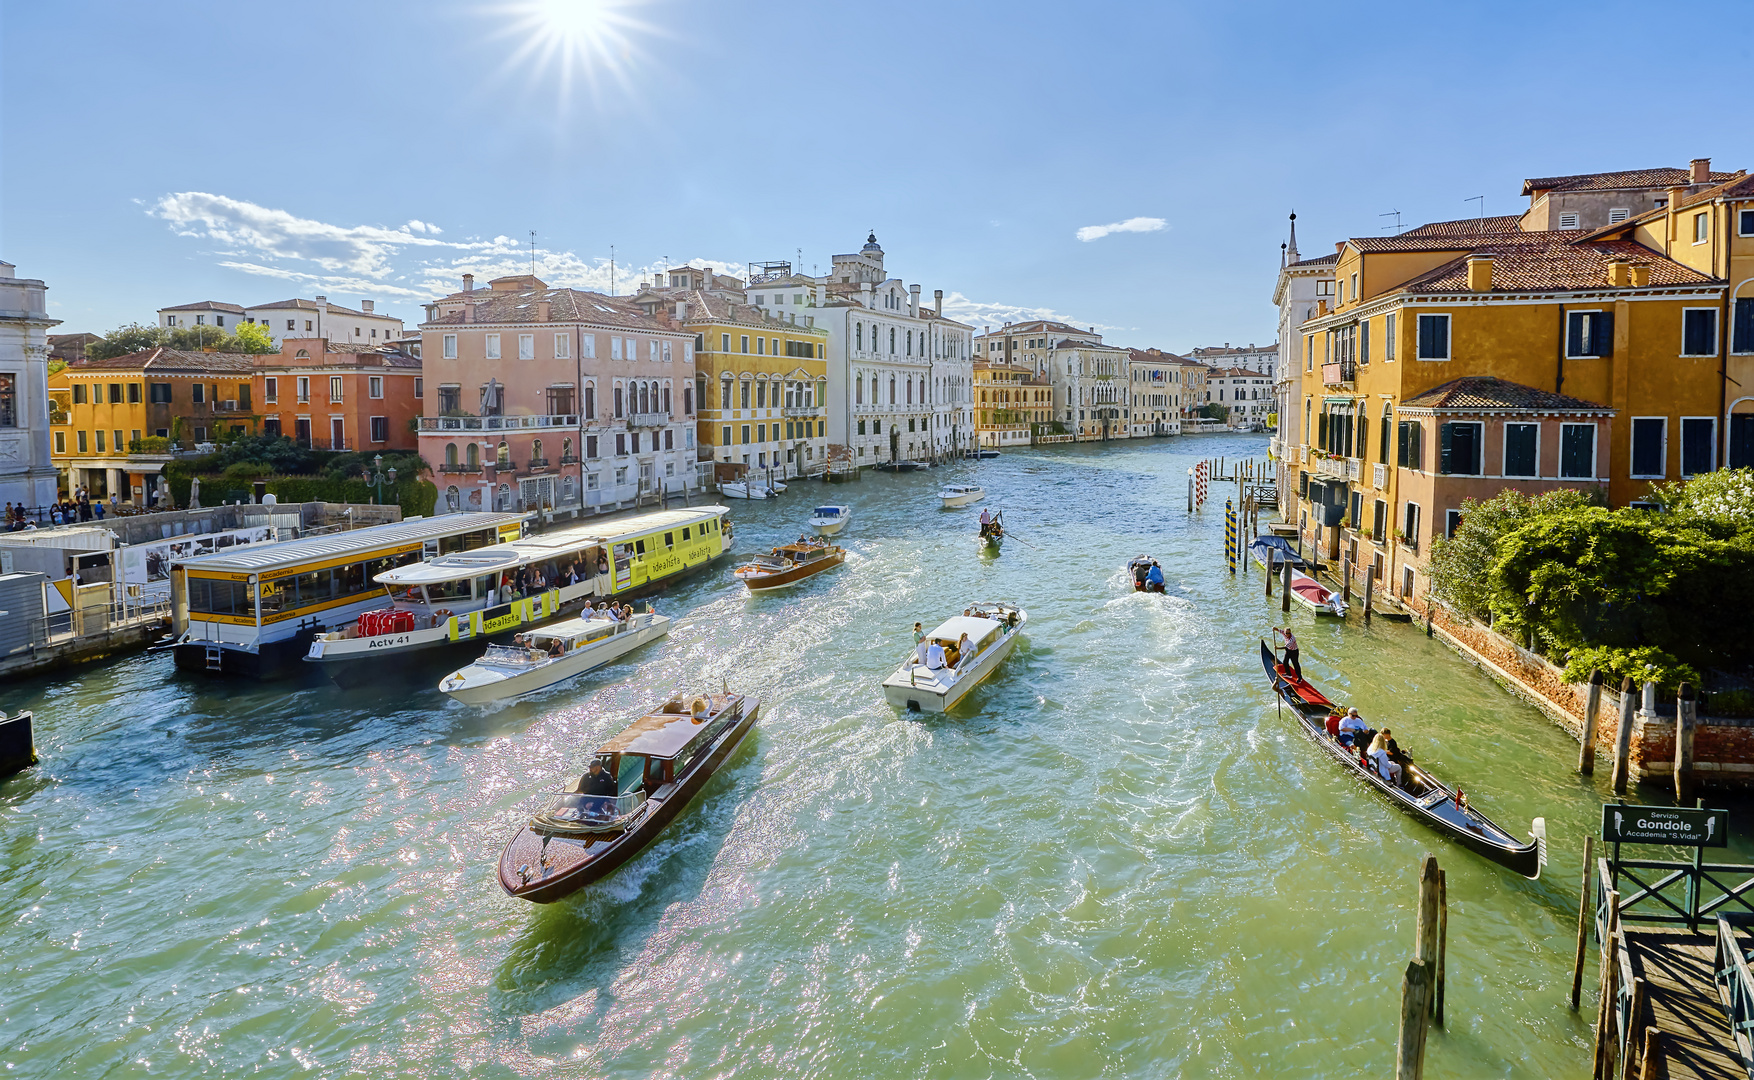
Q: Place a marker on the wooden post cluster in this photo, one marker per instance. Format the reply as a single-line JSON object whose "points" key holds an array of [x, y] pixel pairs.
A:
{"points": [[1586, 755], [1346, 579], [1610, 991], [1686, 720], [1583, 919], [1623, 736], [1421, 985]]}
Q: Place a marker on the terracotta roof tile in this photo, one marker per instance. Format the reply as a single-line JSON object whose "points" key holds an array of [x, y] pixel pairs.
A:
{"points": [[1325, 260], [1628, 178], [207, 305], [170, 361], [1476, 392], [1469, 226], [568, 305], [1554, 260]]}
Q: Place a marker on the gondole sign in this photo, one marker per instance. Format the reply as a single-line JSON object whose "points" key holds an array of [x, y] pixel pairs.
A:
{"points": [[1622, 824]]}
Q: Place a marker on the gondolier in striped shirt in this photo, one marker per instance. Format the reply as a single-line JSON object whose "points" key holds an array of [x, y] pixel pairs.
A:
{"points": [[1290, 649]]}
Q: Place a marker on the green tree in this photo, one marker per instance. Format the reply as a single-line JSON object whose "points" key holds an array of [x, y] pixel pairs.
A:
{"points": [[1461, 566], [132, 338], [200, 338], [1726, 495], [254, 338]]}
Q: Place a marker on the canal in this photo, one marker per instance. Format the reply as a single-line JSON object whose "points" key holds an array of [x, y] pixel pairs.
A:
{"points": [[1116, 859]]}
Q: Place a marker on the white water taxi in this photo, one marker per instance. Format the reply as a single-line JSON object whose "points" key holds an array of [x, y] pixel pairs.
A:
{"points": [[474, 594], [992, 629], [829, 520], [558, 651], [954, 495], [746, 489]]}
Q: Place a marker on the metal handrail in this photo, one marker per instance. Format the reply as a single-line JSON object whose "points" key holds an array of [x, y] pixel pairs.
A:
{"points": [[1735, 987]]}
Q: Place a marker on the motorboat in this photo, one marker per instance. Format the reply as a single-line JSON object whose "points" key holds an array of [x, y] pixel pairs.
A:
{"points": [[992, 532], [789, 564], [746, 489], [1273, 552], [900, 466], [954, 495], [652, 770], [992, 630], [1418, 792], [829, 520], [1139, 573], [986, 454], [555, 653], [1314, 595], [776, 486]]}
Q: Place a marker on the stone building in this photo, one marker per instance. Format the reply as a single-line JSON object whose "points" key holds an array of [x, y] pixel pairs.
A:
{"points": [[27, 470]]}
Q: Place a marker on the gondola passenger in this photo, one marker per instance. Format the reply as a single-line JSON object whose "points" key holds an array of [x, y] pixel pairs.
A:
{"points": [[1333, 725], [1350, 728], [1385, 765]]}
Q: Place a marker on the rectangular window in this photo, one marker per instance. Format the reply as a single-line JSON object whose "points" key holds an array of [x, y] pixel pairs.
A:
{"points": [[620, 445], [668, 356], [133, 393], [1434, 337], [745, 434], [1701, 228], [1521, 455], [1407, 448], [526, 346], [80, 437], [1589, 333], [1746, 217], [745, 342], [198, 393], [380, 429], [1742, 326], [1452, 520], [450, 350], [1410, 523], [591, 447], [117, 443], [419, 387], [1698, 445], [289, 325], [588, 346], [614, 348], [760, 346], [60, 442], [100, 441], [271, 390], [334, 388], [725, 436], [1388, 338], [304, 389], [562, 346], [375, 386], [79, 393], [159, 393], [115, 393], [1364, 342], [1649, 449], [633, 349], [492, 341], [1699, 331], [1379, 520]]}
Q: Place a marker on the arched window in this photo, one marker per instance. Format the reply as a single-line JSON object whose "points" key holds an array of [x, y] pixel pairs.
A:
{"points": [[859, 390], [1306, 413], [504, 457], [743, 392], [666, 409], [910, 391], [569, 489], [910, 342], [892, 341], [474, 457], [590, 401], [453, 499], [505, 497], [725, 391], [566, 450], [876, 399], [1363, 428], [645, 398], [892, 389], [859, 335], [1388, 423], [302, 354], [535, 450], [451, 455]]}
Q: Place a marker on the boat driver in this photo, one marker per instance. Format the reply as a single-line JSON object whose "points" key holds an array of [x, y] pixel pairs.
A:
{"points": [[1154, 577], [598, 781]]}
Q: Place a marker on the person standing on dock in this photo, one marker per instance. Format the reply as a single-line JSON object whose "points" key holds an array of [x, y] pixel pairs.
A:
{"points": [[1290, 649]]}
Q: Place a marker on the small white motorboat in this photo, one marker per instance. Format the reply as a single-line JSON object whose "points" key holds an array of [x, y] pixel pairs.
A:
{"points": [[776, 487], [992, 629], [558, 651], [987, 454], [1314, 595], [954, 495], [746, 489], [829, 520]]}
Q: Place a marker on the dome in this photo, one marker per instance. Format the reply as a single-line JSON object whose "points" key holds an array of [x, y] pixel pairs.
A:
{"points": [[871, 245]]}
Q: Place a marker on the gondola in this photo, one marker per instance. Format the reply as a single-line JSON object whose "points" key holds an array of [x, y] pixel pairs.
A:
{"points": [[992, 532], [1425, 797]]}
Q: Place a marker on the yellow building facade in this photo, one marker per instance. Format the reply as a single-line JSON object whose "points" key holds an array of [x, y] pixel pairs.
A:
{"points": [[1008, 399]]}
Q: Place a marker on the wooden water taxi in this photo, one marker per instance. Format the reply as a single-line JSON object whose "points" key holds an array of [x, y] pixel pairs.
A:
{"points": [[919, 686], [789, 564], [555, 653], [1419, 793], [655, 768], [955, 495]]}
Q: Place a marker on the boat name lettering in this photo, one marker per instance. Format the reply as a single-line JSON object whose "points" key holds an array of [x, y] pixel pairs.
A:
{"points": [[503, 622], [388, 642]]}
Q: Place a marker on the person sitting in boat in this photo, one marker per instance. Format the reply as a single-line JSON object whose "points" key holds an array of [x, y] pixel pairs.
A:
{"points": [[1154, 578], [964, 651], [1141, 570], [1351, 726], [935, 656], [1379, 756], [598, 781], [1333, 726], [555, 648]]}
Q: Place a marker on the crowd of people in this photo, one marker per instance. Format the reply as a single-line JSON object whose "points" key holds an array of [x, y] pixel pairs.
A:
{"points": [[540, 577], [75, 507]]}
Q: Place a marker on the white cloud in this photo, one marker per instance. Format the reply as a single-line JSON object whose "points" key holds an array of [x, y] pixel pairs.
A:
{"points": [[978, 313], [417, 225], [1138, 224]]}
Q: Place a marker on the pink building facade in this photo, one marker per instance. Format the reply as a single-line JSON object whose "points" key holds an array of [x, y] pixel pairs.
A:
{"points": [[555, 400]]}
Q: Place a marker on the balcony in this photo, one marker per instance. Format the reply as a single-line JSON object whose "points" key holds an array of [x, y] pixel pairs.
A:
{"points": [[460, 469], [1338, 468], [1341, 375], [651, 419], [538, 463], [801, 410], [1379, 476], [569, 459], [497, 423]]}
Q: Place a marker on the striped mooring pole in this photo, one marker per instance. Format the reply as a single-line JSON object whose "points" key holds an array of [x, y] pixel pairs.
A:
{"points": [[1230, 534]]}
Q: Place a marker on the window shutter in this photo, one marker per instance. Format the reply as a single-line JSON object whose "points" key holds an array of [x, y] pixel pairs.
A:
{"points": [[1322, 430], [1427, 333], [1743, 339], [1603, 339], [1415, 452], [1401, 444], [1574, 325], [1363, 433], [1443, 461]]}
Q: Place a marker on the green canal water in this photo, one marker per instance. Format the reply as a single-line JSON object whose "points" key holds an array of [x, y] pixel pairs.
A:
{"points": [[1116, 859]]}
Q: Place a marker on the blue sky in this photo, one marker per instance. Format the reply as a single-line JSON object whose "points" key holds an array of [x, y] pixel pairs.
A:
{"points": [[162, 153]]}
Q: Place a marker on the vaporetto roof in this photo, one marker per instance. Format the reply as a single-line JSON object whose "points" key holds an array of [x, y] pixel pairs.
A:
{"points": [[533, 549], [268, 557]]}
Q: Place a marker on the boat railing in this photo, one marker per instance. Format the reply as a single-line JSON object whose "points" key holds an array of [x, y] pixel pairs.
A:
{"points": [[1735, 985]]}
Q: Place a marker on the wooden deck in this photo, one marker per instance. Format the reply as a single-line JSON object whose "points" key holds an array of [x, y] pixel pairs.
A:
{"points": [[1682, 1002]]}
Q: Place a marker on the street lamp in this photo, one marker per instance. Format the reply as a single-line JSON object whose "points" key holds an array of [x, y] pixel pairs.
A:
{"points": [[380, 476]]}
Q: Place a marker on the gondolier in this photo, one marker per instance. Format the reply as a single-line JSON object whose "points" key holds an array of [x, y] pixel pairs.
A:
{"points": [[1290, 649]]}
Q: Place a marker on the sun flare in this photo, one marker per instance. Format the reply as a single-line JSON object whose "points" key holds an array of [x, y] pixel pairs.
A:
{"points": [[592, 40]]}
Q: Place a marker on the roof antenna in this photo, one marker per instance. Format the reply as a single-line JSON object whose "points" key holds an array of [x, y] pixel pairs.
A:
{"points": [[1479, 211], [532, 258], [611, 269], [1396, 214]]}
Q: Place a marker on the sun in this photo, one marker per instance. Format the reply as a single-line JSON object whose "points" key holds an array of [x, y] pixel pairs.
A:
{"points": [[592, 40]]}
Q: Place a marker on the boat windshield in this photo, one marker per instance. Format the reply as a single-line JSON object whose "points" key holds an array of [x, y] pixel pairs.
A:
{"points": [[572, 806], [512, 654], [828, 511]]}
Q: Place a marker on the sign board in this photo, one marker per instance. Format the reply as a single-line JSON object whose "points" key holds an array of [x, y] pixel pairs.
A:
{"points": [[1622, 824]]}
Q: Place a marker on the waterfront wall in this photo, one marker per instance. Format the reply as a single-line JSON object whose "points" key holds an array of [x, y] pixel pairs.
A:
{"points": [[1723, 747]]}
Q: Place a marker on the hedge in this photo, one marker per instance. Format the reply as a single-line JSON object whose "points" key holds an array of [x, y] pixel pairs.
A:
{"points": [[417, 497]]}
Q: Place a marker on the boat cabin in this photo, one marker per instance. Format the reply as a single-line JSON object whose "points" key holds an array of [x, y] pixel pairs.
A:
{"points": [[550, 642], [829, 513], [981, 632]]}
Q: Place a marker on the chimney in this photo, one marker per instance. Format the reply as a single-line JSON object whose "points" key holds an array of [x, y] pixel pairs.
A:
{"points": [[365, 306], [1700, 171], [468, 282], [1479, 272], [469, 311], [1619, 273], [865, 293], [1640, 275], [938, 302], [708, 278], [321, 299], [1676, 194], [913, 300], [544, 311]]}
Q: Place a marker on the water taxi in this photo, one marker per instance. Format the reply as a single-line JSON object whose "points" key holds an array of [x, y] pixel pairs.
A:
{"points": [[254, 610], [954, 495], [992, 630], [747, 489], [829, 520], [555, 653], [651, 772], [475, 594], [789, 564]]}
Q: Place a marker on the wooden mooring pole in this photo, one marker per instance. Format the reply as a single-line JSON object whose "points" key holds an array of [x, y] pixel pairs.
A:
{"points": [[1369, 590], [1583, 919], [1442, 946], [1608, 1004], [1285, 586], [1415, 1015], [1346, 579], [1623, 736], [1586, 754], [1686, 720]]}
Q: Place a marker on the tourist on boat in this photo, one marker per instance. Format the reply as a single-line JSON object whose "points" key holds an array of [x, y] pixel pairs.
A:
{"points": [[935, 657], [964, 651], [1351, 726], [920, 642], [1154, 579], [598, 781], [1333, 726], [1290, 649], [1385, 765]]}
